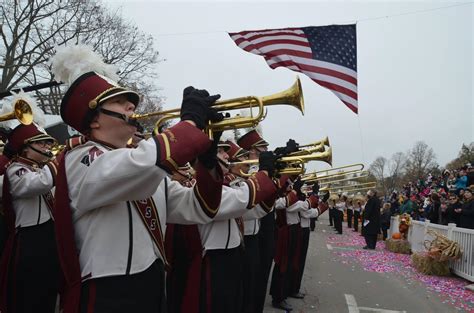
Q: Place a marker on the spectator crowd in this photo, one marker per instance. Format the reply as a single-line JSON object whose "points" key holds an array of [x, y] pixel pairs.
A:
{"points": [[443, 199]]}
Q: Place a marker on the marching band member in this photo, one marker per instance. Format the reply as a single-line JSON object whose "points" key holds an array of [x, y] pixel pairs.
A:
{"points": [[332, 208], [254, 252], [358, 208], [339, 213], [183, 250], [285, 267], [220, 242], [315, 190], [305, 217], [350, 211], [112, 202], [29, 272], [222, 239]]}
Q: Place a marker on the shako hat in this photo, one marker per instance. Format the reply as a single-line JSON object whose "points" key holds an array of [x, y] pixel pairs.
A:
{"points": [[91, 82], [251, 139], [235, 151], [23, 135]]}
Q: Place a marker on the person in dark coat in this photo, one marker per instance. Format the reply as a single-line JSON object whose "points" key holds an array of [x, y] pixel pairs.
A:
{"points": [[435, 213], [385, 219], [454, 209], [371, 220], [467, 211], [395, 204]]}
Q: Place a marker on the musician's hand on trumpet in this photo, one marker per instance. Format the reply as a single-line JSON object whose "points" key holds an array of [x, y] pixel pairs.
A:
{"points": [[197, 107], [267, 162], [315, 188], [209, 158], [297, 185], [291, 146]]}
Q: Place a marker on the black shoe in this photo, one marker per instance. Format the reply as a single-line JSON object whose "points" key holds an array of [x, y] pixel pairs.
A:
{"points": [[297, 295], [365, 248], [282, 305]]}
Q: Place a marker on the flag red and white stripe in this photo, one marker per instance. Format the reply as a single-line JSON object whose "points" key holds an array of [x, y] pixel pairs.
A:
{"points": [[295, 48]]}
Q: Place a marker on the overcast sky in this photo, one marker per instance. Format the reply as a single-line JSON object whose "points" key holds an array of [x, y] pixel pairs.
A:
{"points": [[415, 71]]}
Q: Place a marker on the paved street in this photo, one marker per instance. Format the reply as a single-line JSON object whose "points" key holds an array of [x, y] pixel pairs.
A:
{"points": [[334, 282]]}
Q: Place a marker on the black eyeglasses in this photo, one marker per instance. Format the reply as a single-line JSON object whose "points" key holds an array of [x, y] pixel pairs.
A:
{"points": [[43, 143]]}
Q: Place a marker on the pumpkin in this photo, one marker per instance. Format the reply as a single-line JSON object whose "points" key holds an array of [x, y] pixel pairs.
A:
{"points": [[397, 236]]}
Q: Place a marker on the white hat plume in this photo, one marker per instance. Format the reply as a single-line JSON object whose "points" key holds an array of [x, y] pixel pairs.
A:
{"points": [[70, 62], [38, 114]]}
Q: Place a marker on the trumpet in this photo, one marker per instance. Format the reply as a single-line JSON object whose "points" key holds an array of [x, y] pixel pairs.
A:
{"points": [[315, 147], [350, 188], [314, 176], [294, 165], [337, 179], [21, 111], [324, 142], [292, 96], [55, 150]]}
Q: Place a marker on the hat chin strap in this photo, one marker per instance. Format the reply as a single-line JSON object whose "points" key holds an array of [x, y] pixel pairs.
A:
{"points": [[47, 154], [123, 117]]}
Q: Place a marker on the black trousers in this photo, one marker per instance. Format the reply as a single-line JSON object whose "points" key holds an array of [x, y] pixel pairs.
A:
{"points": [[142, 292], [302, 259], [384, 232], [250, 275], [371, 241], [312, 223], [338, 217], [266, 242], [349, 218], [331, 217], [356, 220], [33, 273], [221, 281]]}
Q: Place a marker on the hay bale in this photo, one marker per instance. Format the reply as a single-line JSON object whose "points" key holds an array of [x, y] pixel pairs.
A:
{"points": [[429, 266], [398, 246]]}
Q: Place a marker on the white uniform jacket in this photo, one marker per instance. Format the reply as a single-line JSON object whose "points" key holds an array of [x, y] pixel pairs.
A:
{"points": [[223, 232], [27, 185], [341, 206], [110, 235], [292, 216], [306, 216]]}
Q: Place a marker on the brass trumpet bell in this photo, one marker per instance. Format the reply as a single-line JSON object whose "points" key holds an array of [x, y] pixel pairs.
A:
{"points": [[324, 142], [21, 111], [293, 96], [325, 156], [312, 149]]}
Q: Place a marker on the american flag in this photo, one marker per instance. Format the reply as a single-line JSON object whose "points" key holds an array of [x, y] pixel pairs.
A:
{"points": [[326, 54]]}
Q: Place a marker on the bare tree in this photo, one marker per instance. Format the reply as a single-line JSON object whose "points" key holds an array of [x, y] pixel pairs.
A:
{"points": [[379, 169], [421, 159], [32, 29], [465, 155], [396, 170]]}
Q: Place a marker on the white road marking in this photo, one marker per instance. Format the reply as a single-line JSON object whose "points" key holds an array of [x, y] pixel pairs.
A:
{"points": [[363, 308], [329, 246], [353, 308], [351, 304]]}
